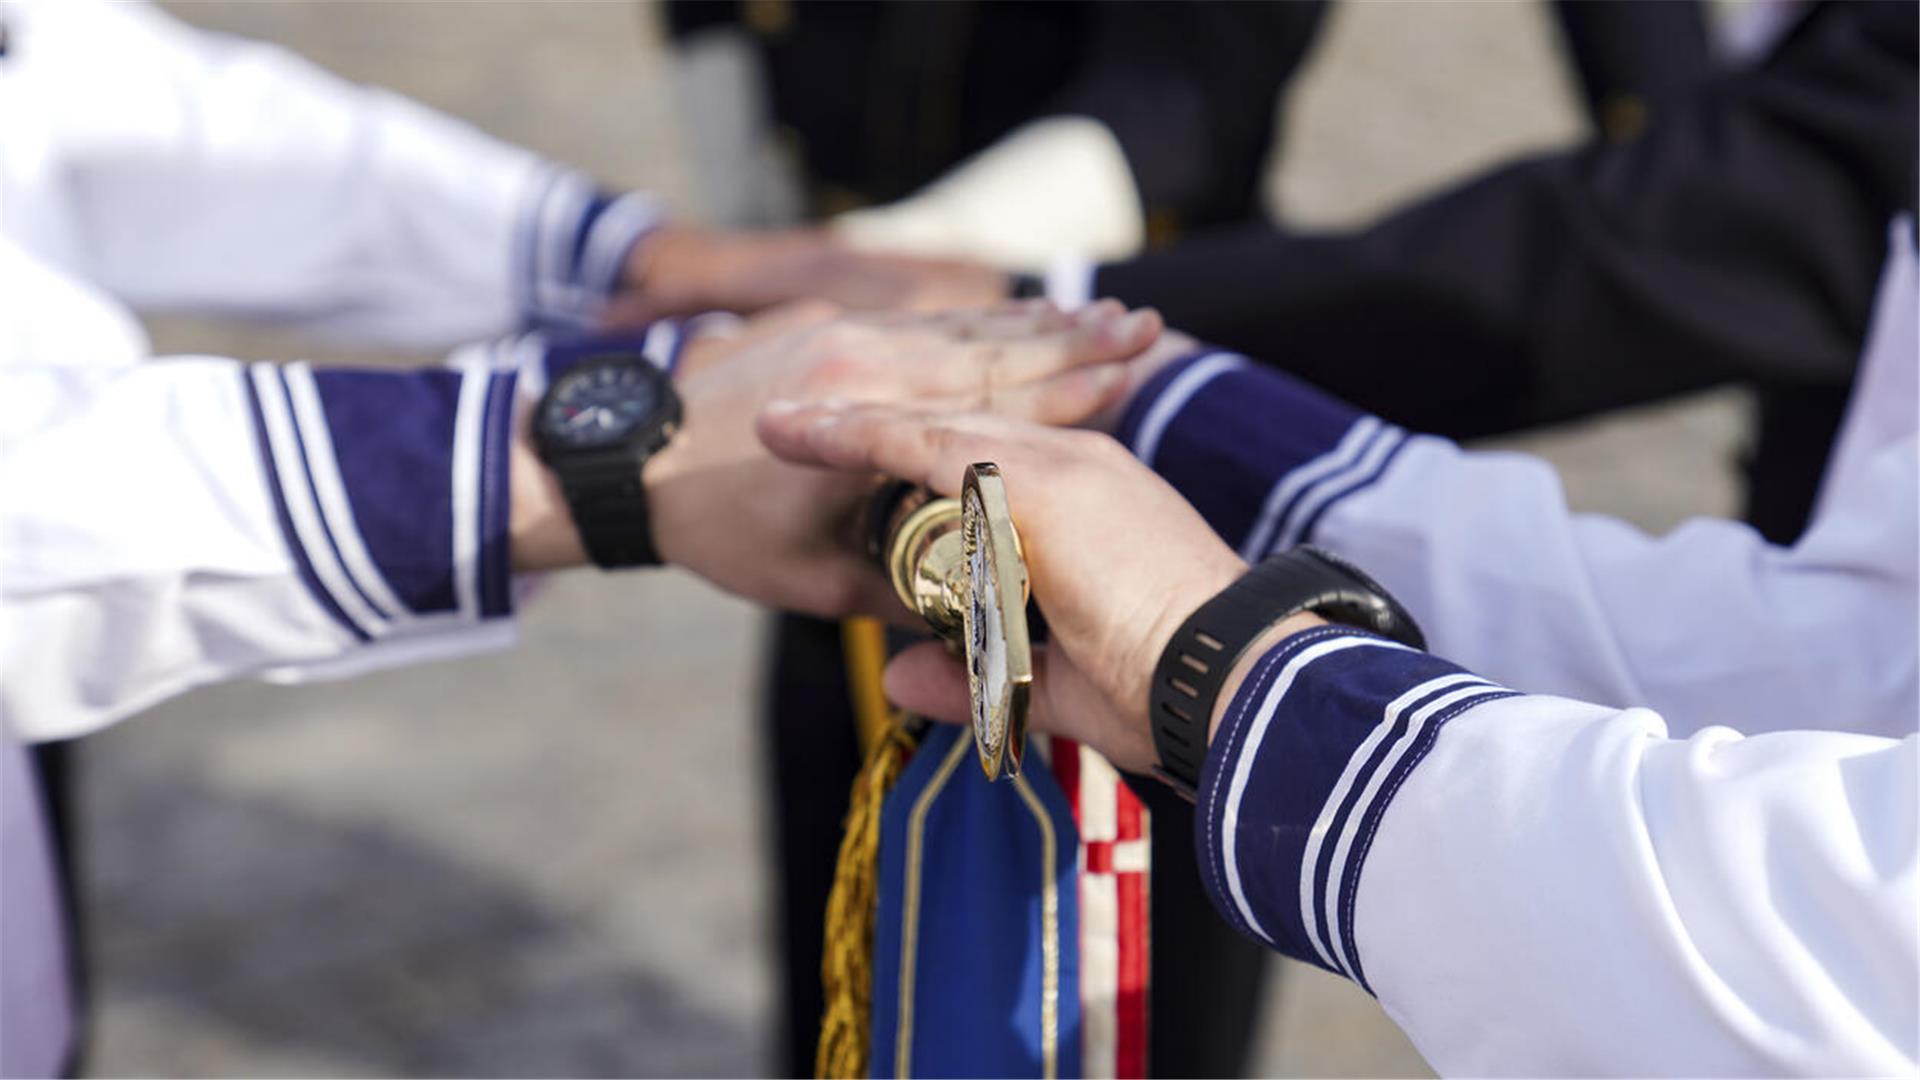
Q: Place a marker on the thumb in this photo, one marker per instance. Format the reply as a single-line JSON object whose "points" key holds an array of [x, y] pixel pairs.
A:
{"points": [[927, 680]]}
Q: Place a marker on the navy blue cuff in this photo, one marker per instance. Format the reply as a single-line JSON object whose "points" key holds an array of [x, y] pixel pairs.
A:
{"points": [[571, 249], [1309, 755], [392, 489], [542, 358], [1262, 455]]}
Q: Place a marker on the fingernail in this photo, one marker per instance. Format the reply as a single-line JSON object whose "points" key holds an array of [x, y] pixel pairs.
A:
{"points": [[781, 407]]}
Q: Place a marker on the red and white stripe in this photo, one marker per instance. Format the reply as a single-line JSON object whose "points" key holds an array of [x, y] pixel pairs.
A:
{"points": [[1114, 899]]}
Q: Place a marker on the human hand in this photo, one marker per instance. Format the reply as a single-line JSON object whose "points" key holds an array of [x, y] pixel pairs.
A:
{"points": [[1117, 559], [678, 270], [1171, 346], [785, 535]]}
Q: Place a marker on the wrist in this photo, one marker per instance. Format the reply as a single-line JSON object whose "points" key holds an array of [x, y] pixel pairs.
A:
{"points": [[540, 529], [1298, 622], [660, 486], [1205, 579], [705, 345], [1205, 660], [678, 270]]}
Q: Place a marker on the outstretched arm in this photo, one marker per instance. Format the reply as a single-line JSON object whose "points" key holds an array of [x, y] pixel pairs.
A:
{"points": [[1531, 885], [1538, 886], [1709, 624], [1738, 237], [196, 519], [211, 173]]}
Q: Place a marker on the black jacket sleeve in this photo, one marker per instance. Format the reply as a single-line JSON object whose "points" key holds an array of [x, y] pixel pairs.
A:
{"points": [[1739, 237]]}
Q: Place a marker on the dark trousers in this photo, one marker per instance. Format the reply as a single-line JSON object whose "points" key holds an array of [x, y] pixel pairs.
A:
{"points": [[57, 764]]}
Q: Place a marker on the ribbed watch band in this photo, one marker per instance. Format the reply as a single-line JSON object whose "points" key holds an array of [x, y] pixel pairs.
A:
{"points": [[610, 510], [1203, 652]]}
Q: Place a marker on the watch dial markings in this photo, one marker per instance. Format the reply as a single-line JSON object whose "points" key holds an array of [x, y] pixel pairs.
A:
{"points": [[600, 406]]}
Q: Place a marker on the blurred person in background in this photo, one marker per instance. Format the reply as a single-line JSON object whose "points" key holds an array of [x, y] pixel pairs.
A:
{"points": [[146, 166], [1733, 233], [1700, 858], [1735, 236], [1040, 137]]}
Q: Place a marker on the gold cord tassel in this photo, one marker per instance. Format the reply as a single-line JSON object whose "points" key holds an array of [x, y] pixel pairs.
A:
{"points": [[846, 969]]}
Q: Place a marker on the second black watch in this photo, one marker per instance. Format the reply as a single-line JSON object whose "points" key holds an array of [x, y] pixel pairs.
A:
{"points": [[595, 427]]}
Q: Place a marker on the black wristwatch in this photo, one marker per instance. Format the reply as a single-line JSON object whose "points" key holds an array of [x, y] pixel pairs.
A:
{"points": [[595, 427], [1205, 649]]}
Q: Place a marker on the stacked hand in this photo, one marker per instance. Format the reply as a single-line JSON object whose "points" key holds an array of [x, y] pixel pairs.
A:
{"points": [[1117, 558], [679, 271], [783, 534]]}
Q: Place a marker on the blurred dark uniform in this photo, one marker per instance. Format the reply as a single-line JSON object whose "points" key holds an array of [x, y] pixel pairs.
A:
{"points": [[877, 100], [1735, 234]]}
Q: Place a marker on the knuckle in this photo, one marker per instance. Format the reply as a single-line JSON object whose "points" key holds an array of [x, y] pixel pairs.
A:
{"points": [[1093, 446], [836, 591], [836, 367]]}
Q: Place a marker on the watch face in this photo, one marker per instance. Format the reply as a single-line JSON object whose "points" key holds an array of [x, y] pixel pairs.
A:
{"points": [[599, 405]]}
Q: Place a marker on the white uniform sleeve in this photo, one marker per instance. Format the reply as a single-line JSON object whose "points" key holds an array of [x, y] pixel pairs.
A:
{"points": [[1708, 625], [1535, 886], [189, 520], [215, 174]]}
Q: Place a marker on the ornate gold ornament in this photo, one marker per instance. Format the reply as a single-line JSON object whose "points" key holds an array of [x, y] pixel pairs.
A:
{"points": [[957, 563]]}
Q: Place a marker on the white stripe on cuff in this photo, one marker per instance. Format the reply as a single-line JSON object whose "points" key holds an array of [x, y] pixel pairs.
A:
{"points": [[526, 355], [1351, 830], [335, 507], [310, 531], [467, 439], [1333, 462], [559, 218], [1250, 752], [1325, 492], [1315, 839], [658, 346], [613, 233], [1153, 427]]}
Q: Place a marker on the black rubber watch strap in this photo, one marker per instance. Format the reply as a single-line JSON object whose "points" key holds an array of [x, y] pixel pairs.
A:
{"points": [[1203, 652], [609, 510], [602, 485]]}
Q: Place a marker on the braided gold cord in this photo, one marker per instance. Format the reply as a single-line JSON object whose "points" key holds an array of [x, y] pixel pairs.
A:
{"points": [[846, 968]]}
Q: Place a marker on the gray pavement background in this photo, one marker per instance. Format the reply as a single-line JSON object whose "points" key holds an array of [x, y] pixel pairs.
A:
{"points": [[552, 862]]}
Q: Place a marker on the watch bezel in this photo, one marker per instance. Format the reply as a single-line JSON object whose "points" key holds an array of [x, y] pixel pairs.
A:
{"points": [[647, 435], [603, 484]]}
